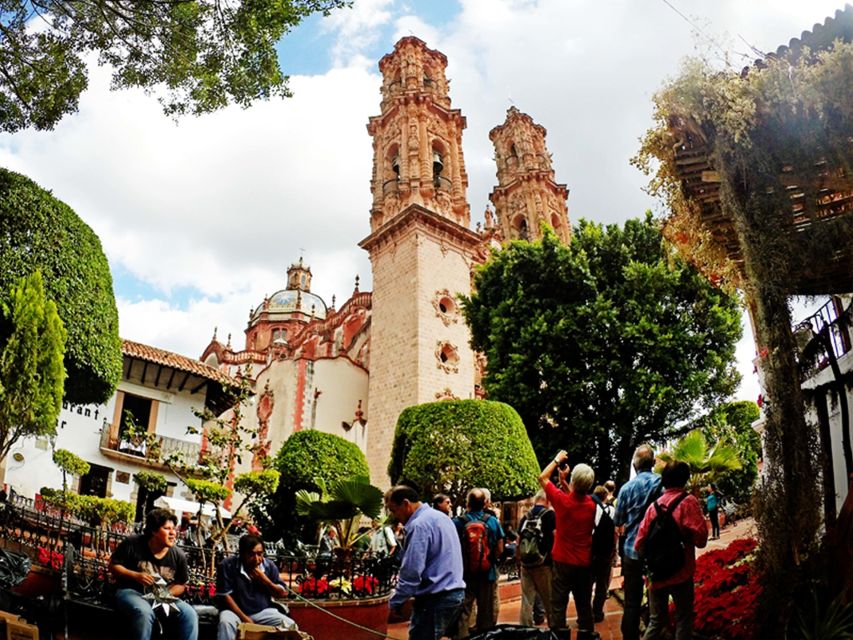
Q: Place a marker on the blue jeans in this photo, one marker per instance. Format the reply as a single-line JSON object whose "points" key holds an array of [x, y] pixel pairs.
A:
{"points": [[141, 617], [433, 614], [228, 621]]}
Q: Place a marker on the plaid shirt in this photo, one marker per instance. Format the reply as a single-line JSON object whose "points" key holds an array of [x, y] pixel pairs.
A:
{"points": [[631, 507]]}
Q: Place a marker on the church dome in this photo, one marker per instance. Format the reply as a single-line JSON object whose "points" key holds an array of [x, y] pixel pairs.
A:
{"points": [[288, 301]]}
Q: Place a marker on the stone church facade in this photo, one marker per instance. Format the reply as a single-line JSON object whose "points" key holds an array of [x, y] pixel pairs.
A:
{"points": [[351, 370]]}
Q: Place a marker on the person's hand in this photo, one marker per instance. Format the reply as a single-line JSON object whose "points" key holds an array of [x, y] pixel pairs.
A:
{"points": [[145, 579], [561, 457], [259, 576], [401, 613]]}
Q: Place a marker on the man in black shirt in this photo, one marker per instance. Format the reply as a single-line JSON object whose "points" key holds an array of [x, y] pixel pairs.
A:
{"points": [[539, 523], [151, 573]]}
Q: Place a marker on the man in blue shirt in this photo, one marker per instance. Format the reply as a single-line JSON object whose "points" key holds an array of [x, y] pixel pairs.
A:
{"points": [[431, 567], [246, 584], [480, 586], [635, 496]]}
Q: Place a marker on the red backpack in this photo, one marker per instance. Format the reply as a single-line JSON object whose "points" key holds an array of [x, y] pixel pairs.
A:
{"points": [[475, 545]]}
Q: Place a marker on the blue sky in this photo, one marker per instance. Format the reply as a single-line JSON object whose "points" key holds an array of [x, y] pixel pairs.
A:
{"points": [[200, 218]]}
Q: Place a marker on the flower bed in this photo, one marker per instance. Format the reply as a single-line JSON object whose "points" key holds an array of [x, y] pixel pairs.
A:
{"points": [[727, 592]]}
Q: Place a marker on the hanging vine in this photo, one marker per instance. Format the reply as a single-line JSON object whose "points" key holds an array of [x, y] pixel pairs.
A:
{"points": [[756, 170]]}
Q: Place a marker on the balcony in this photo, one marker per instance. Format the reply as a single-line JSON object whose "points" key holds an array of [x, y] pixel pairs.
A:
{"points": [[164, 448], [825, 331]]}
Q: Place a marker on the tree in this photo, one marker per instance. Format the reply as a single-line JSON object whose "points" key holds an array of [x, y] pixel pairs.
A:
{"points": [[32, 340], [452, 446], [200, 55], [308, 460], [603, 344], [731, 423], [38, 232], [706, 463], [343, 506]]}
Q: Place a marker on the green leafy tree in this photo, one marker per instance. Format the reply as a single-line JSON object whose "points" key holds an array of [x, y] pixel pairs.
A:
{"points": [[343, 506], [32, 343], [603, 344], [308, 460], [452, 446], [198, 55], [731, 423], [706, 463], [38, 232]]}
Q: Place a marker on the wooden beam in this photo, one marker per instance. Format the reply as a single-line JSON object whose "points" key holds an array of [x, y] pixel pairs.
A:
{"points": [[184, 382], [171, 378], [199, 386]]}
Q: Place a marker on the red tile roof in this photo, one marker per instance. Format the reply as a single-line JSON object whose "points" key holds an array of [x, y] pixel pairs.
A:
{"points": [[175, 361]]}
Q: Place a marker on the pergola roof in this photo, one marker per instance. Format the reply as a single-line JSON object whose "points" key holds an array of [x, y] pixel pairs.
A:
{"points": [[831, 195]]}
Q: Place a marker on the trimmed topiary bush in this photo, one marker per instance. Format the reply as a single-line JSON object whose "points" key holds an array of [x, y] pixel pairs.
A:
{"points": [[37, 231], [305, 460], [452, 446]]}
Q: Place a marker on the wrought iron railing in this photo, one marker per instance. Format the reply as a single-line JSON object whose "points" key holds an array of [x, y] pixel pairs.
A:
{"points": [[827, 328]]}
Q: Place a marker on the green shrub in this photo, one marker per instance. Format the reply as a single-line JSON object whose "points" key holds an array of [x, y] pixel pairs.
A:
{"points": [[306, 460], [452, 446], [38, 232]]}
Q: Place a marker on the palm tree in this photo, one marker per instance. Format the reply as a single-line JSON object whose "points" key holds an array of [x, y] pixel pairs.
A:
{"points": [[705, 464], [342, 507]]}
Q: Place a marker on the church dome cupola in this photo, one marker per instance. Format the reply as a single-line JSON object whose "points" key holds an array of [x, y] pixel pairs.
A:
{"points": [[299, 277]]}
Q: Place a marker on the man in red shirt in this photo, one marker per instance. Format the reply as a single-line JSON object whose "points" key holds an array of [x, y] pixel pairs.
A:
{"points": [[691, 521], [572, 552]]}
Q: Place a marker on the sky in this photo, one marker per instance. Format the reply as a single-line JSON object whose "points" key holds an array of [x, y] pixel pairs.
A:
{"points": [[200, 218]]}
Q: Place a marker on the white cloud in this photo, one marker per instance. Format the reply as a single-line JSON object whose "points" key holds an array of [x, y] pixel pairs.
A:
{"points": [[223, 203]]}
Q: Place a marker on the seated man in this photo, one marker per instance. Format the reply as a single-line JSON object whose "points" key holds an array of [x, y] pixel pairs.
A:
{"points": [[150, 572], [247, 582]]}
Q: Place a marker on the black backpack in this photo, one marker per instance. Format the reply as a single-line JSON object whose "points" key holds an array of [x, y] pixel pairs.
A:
{"points": [[663, 551], [530, 540], [603, 535]]}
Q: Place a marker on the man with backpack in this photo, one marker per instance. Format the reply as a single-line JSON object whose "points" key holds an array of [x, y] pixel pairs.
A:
{"points": [[634, 498], [536, 538], [603, 550], [672, 528], [482, 544]]}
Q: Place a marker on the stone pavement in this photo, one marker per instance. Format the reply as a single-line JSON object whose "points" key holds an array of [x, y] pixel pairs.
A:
{"points": [[609, 629]]}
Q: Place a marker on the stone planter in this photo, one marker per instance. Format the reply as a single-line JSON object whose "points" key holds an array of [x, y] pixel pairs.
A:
{"points": [[315, 620]]}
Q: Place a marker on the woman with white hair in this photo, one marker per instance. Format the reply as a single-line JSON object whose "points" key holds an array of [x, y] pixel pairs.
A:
{"points": [[572, 552]]}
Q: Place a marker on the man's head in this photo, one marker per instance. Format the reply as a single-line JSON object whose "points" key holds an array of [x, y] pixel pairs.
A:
{"points": [[443, 503], [644, 458], [600, 492], [540, 498], [160, 527], [610, 486], [675, 475], [488, 495], [582, 478], [401, 502], [475, 500], [251, 549]]}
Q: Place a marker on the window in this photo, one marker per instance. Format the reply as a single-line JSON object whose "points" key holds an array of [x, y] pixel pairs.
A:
{"points": [[135, 410]]}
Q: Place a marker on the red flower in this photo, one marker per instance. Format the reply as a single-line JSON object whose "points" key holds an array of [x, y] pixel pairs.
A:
{"points": [[364, 585], [314, 588], [52, 559]]}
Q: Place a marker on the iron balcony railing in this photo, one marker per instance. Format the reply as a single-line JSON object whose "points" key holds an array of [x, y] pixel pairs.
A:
{"points": [[828, 327]]}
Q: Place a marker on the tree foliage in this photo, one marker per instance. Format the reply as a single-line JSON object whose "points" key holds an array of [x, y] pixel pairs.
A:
{"points": [[731, 424], [32, 343], [706, 462], [199, 55], [343, 506], [38, 232], [70, 463], [603, 344], [309, 460], [151, 480], [453, 446]]}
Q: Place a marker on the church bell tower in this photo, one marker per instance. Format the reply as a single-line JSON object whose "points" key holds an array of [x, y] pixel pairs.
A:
{"points": [[421, 249], [527, 193]]}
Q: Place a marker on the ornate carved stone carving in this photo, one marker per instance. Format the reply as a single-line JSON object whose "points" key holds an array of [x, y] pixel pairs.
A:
{"points": [[445, 307]]}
